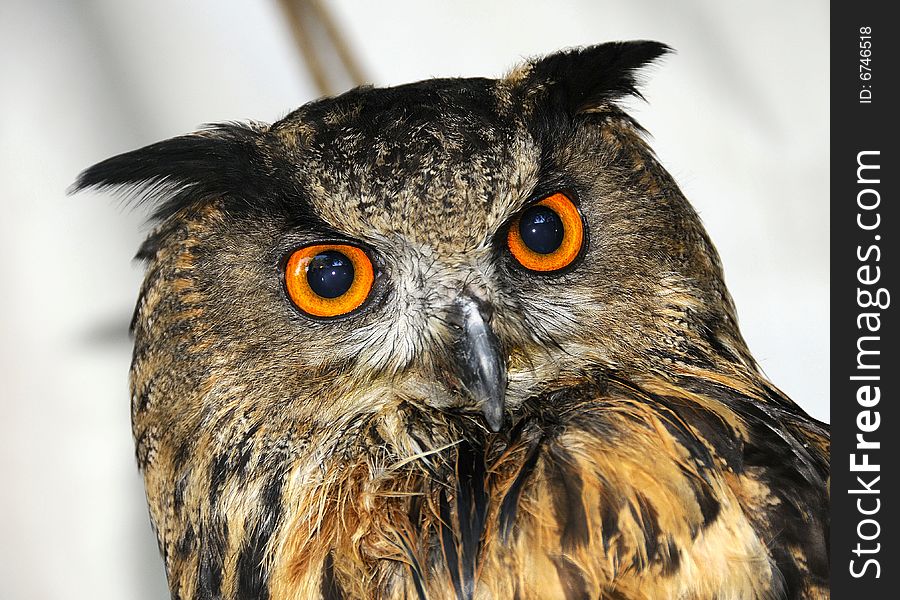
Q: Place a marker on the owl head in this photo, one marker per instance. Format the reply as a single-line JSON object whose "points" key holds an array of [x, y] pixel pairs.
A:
{"points": [[452, 247]]}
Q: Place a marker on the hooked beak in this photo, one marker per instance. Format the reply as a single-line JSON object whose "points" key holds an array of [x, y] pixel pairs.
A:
{"points": [[480, 364]]}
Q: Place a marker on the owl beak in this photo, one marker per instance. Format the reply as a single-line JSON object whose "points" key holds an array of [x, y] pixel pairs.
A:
{"points": [[480, 361]]}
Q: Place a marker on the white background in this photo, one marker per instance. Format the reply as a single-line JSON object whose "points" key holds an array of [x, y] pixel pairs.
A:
{"points": [[738, 115]]}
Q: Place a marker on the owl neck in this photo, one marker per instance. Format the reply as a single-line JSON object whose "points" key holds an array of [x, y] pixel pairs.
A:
{"points": [[383, 498], [412, 500]]}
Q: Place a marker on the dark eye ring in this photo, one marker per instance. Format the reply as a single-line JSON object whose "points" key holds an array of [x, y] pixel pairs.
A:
{"points": [[547, 236], [329, 280]]}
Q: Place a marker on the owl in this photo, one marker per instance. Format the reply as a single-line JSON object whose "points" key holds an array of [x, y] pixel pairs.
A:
{"points": [[458, 339]]}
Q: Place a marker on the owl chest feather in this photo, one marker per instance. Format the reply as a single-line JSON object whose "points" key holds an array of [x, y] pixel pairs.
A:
{"points": [[636, 504]]}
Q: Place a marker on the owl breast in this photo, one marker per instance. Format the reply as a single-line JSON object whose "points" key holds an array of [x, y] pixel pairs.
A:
{"points": [[613, 495]]}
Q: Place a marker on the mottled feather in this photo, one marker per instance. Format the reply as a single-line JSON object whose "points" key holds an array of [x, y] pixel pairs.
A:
{"points": [[641, 454]]}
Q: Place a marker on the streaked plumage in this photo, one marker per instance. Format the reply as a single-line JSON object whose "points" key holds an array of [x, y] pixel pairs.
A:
{"points": [[641, 453]]}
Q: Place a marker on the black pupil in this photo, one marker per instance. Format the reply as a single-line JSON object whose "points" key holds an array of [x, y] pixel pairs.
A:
{"points": [[541, 229], [330, 274]]}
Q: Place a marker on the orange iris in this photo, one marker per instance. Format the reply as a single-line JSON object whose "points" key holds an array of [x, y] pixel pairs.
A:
{"points": [[569, 247], [297, 279]]}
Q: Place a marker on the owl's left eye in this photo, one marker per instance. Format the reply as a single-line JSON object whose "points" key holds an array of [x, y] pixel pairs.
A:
{"points": [[547, 236], [329, 280]]}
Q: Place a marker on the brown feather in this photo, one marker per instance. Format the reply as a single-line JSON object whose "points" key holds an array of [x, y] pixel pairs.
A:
{"points": [[642, 455]]}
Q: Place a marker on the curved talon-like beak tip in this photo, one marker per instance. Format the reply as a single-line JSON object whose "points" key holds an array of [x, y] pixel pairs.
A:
{"points": [[493, 414], [480, 361]]}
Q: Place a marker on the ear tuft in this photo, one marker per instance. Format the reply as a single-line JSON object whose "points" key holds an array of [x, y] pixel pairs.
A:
{"points": [[587, 78], [214, 162]]}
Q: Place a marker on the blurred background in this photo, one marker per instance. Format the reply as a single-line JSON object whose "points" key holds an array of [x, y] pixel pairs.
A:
{"points": [[739, 116]]}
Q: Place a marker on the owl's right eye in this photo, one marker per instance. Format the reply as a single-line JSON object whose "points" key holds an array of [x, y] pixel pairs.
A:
{"points": [[329, 280]]}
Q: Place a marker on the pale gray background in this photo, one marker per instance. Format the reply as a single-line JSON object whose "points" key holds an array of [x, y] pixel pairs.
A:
{"points": [[739, 116]]}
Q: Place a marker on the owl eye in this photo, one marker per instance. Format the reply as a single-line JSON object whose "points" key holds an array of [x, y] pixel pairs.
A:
{"points": [[329, 280], [547, 236]]}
